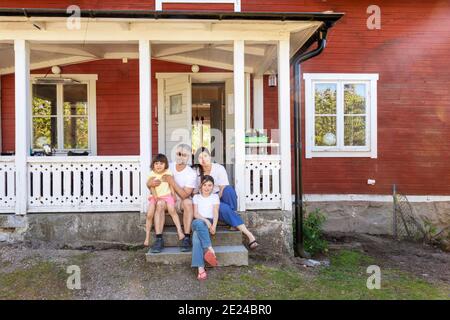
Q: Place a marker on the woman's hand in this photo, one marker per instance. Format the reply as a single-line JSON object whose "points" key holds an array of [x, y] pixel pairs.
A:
{"points": [[208, 223], [212, 229]]}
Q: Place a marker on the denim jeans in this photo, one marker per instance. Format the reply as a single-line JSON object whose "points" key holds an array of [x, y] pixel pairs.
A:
{"points": [[228, 206], [200, 242]]}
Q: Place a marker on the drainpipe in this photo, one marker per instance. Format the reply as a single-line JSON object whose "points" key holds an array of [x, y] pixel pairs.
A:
{"points": [[296, 60]]}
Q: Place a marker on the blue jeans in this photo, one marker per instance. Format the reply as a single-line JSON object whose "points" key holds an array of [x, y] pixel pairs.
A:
{"points": [[200, 242], [228, 207]]}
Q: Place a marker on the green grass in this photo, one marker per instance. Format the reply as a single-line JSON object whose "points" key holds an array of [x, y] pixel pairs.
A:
{"points": [[345, 279], [41, 280]]}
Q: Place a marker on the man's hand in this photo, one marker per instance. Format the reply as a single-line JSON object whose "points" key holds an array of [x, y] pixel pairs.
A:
{"points": [[153, 183], [169, 179]]}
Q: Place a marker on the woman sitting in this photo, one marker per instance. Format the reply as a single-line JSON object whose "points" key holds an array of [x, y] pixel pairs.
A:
{"points": [[227, 194]]}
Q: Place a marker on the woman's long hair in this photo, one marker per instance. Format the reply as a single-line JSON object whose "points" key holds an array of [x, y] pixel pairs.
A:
{"points": [[197, 164]]}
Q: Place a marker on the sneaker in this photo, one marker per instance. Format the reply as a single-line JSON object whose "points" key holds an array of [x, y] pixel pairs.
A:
{"points": [[185, 244], [158, 246]]}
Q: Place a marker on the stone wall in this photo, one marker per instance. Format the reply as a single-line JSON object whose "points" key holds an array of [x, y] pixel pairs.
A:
{"points": [[375, 217], [273, 230]]}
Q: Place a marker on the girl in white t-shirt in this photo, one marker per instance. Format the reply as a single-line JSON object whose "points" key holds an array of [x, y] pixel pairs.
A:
{"points": [[206, 214]]}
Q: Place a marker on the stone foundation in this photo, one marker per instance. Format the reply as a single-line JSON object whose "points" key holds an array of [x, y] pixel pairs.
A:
{"points": [[273, 230], [375, 217]]}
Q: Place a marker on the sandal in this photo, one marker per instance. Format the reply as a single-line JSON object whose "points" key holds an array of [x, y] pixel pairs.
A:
{"points": [[211, 258], [202, 276], [253, 245]]}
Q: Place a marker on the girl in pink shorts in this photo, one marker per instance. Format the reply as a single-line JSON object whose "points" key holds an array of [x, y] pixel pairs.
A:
{"points": [[163, 192]]}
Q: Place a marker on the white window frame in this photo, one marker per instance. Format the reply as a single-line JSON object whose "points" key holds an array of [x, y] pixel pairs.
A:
{"points": [[91, 81], [370, 150], [237, 3]]}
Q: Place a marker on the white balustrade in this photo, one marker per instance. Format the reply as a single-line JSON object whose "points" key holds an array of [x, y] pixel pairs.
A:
{"points": [[262, 181], [73, 184], [7, 184]]}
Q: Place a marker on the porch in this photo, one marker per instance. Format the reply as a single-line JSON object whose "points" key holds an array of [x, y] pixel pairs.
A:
{"points": [[248, 51]]}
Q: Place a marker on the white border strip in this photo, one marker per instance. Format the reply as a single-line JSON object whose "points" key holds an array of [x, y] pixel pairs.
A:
{"points": [[371, 198]]}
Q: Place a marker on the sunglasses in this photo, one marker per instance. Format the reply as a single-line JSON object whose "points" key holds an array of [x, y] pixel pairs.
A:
{"points": [[180, 154]]}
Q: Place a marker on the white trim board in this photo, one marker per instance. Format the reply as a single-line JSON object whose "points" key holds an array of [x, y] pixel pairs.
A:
{"points": [[371, 198]]}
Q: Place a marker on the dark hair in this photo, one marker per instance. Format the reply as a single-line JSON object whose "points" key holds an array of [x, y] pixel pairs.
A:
{"points": [[206, 178], [197, 164], [160, 158]]}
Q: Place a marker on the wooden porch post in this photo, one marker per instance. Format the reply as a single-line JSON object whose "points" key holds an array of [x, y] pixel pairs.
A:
{"points": [[22, 119], [145, 107], [284, 118], [258, 102], [239, 122]]}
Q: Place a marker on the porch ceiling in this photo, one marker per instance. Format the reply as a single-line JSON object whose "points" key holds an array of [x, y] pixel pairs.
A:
{"points": [[260, 55]]}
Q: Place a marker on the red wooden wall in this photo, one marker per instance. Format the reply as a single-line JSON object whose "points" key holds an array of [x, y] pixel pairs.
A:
{"points": [[411, 53]]}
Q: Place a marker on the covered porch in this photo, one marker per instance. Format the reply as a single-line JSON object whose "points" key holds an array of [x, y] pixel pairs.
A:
{"points": [[161, 58]]}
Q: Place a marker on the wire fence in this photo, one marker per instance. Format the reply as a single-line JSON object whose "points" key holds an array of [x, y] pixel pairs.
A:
{"points": [[406, 224]]}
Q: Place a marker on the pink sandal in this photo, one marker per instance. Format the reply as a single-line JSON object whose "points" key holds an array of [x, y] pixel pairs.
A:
{"points": [[202, 276], [211, 258]]}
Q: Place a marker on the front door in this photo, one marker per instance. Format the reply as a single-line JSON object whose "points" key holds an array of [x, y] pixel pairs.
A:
{"points": [[175, 126]]}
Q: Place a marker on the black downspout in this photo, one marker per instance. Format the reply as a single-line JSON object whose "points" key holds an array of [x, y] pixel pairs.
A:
{"points": [[296, 60]]}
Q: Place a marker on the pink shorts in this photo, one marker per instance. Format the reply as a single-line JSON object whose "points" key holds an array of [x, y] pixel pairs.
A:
{"points": [[168, 199]]}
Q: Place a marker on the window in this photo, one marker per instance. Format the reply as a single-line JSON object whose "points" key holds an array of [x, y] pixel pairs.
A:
{"points": [[341, 115], [63, 115]]}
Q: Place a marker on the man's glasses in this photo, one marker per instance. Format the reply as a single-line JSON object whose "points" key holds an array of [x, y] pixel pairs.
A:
{"points": [[180, 154]]}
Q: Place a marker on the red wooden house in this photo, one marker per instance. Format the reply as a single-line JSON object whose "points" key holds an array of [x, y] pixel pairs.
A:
{"points": [[119, 81]]}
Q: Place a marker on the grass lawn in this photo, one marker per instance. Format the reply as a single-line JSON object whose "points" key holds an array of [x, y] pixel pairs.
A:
{"points": [[344, 279]]}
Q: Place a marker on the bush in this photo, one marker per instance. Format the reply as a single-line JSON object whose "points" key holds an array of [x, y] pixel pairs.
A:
{"points": [[314, 242]]}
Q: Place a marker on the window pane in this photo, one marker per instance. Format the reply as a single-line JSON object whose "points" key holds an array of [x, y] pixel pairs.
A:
{"points": [[76, 133], [44, 99], [354, 131], [325, 131], [75, 99], [355, 98], [325, 98], [44, 132]]}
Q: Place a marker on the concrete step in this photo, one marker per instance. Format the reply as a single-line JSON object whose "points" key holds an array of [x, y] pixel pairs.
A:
{"points": [[223, 237], [226, 256], [169, 221]]}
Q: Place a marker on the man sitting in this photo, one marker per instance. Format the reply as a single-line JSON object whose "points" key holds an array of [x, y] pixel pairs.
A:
{"points": [[183, 181]]}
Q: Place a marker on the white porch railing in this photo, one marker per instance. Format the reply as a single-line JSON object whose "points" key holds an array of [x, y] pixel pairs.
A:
{"points": [[7, 184], [262, 181], [71, 184]]}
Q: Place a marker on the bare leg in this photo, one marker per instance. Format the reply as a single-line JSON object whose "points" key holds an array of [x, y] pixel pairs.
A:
{"points": [[188, 215], [173, 213], [148, 223], [160, 216], [247, 233]]}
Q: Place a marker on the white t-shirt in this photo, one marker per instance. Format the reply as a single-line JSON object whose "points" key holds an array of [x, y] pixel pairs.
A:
{"points": [[184, 178], [219, 175], [206, 205]]}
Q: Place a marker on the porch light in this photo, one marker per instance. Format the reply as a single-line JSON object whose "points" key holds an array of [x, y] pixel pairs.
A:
{"points": [[273, 80], [195, 68], [56, 70]]}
